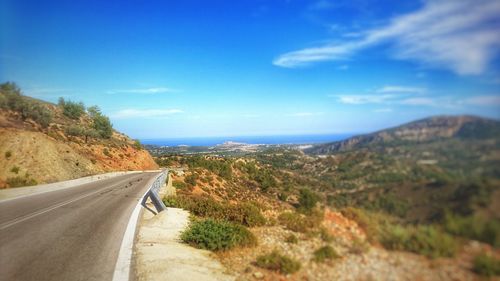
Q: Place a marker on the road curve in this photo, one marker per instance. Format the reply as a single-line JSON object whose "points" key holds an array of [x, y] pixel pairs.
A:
{"points": [[69, 234]]}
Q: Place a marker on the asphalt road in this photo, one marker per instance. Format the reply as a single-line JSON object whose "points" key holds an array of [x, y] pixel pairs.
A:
{"points": [[69, 234]]}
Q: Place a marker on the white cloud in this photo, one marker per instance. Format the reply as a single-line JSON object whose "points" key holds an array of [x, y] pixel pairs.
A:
{"points": [[364, 99], [460, 35], [484, 100], [159, 90], [401, 89], [419, 101], [145, 113]]}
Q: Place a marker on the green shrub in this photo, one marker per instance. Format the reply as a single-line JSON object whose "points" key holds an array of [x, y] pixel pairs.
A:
{"points": [[74, 130], [425, 240], [138, 145], [15, 170], [8, 154], [486, 265], [299, 222], [325, 253], [277, 262], [217, 235], [191, 179], [106, 152], [73, 110], [246, 214], [243, 213], [179, 184], [370, 223], [19, 181], [292, 239], [474, 227], [307, 200]]}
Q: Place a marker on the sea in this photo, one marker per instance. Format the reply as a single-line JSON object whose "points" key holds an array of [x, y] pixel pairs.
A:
{"points": [[212, 141]]}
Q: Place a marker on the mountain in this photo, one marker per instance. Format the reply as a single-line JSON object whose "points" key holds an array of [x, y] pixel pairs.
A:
{"points": [[41, 142], [424, 130]]}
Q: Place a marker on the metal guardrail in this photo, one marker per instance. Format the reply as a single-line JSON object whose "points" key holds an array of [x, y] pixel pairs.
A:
{"points": [[154, 195]]}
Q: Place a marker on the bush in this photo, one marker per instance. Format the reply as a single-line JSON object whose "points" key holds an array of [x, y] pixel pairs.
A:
{"points": [[21, 181], [217, 235], [307, 200], [486, 265], [106, 152], [12, 98], [138, 145], [474, 227], [425, 240], [325, 253], [15, 170], [300, 223], [369, 223], [191, 179], [71, 109], [179, 184], [243, 213], [292, 239], [8, 154], [325, 235], [277, 262]]}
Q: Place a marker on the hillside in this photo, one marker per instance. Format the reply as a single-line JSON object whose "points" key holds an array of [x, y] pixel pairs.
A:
{"points": [[416, 202], [425, 130], [42, 142]]}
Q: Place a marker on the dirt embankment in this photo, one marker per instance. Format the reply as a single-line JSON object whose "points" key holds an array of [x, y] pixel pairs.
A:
{"points": [[32, 155]]}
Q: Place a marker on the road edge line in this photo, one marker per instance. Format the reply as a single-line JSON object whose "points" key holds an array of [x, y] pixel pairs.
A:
{"points": [[125, 255]]}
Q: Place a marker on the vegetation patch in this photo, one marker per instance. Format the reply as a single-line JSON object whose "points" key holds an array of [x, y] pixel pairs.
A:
{"points": [[486, 265], [278, 262], [292, 239], [474, 227], [300, 222], [425, 240], [20, 181], [246, 213], [325, 253], [217, 235]]}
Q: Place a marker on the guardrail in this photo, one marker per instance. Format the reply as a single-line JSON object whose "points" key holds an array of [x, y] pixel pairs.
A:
{"points": [[154, 195]]}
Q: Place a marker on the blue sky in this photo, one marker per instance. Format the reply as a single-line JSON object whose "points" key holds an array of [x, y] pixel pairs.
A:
{"points": [[228, 68]]}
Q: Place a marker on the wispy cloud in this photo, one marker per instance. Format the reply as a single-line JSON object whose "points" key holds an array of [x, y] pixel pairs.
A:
{"points": [[364, 99], [493, 100], [462, 36], [158, 90], [419, 101], [401, 89], [145, 113]]}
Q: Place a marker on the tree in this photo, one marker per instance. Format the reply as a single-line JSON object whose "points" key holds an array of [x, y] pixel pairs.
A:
{"points": [[71, 109], [94, 111], [103, 126]]}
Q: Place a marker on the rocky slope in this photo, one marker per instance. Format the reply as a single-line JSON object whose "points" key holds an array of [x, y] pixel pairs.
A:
{"points": [[428, 129], [31, 153]]}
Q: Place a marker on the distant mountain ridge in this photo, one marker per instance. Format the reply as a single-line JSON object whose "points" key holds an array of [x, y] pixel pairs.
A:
{"points": [[423, 130]]}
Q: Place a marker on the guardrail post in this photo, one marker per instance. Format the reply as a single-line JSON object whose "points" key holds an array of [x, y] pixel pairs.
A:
{"points": [[153, 194]]}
